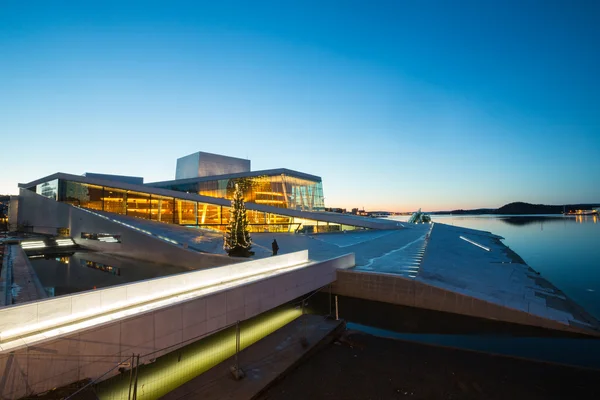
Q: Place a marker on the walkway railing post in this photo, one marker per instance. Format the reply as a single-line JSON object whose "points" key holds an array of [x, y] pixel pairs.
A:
{"points": [[131, 375], [236, 371], [135, 382], [330, 310], [303, 338], [237, 346]]}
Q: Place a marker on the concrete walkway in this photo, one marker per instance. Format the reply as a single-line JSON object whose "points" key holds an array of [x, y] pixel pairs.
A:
{"points": [[25, 283], [263, 362]]}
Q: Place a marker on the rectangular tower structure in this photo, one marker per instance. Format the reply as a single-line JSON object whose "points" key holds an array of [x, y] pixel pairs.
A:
{"points": [[202, 164]]}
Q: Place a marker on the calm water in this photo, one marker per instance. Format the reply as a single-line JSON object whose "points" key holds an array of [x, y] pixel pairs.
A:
{"points": [[565, 250], [87, 270]]}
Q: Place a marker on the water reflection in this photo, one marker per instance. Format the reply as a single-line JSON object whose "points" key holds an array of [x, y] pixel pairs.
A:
{"points": [[101, 267], [529, 220], [80, 271]]}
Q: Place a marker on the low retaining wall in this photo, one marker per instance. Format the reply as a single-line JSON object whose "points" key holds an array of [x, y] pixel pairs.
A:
{"points": [[395, 289], [6, 277], [25, 278]]}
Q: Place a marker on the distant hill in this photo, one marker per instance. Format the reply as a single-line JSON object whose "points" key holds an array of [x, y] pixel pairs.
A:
{"points": [[521, 208], [527, 208]]}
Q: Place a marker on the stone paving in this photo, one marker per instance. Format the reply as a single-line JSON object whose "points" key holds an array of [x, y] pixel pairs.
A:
{"points": [[26, 286], [498, 276]]}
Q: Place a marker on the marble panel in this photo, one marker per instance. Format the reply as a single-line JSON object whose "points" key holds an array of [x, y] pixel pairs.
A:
{"points": [[137, 334], [51, 365], [111, 297], [14, 375], [266, 288], [168, 343], [252, 309], [139, 291], [235, 298], [216, 323], [14, 317], [193, 332], [55, 308], [193, 312], [86, 301], [251, 293], [100, 341], [168, 320], [216, 305], [236, 315]]}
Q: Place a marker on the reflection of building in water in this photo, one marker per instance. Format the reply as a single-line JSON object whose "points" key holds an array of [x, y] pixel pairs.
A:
{"points": [[101, 267]]}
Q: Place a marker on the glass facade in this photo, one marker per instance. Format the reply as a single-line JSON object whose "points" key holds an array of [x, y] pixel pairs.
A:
{"points": [[185, 212], [283, 191], [161, 208], [115, 200], [48, 189], [138, 204], [82, 195], [173, 210]]}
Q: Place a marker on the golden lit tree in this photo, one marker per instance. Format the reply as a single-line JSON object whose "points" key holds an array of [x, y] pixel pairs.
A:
{"points": [[237, 241]]}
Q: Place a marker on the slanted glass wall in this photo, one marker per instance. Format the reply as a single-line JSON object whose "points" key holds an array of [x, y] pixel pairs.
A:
{"points": [[138, 204], [173, 210], [115, 200], [185, 212], [86, 196], [161, 208], [283, 191]]}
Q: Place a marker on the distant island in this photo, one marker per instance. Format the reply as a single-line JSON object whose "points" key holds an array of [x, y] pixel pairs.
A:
{"points": [[518, 208]]}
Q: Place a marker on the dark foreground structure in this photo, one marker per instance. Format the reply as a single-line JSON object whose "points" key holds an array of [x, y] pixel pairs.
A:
{"points": [[367, 367]]}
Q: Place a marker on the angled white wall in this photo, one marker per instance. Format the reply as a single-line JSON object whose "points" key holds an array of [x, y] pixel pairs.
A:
{"points": [[46, 215], [41, 366]]}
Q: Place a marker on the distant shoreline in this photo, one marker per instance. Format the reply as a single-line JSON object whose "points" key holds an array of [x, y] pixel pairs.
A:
{"points": [[520, 208]]}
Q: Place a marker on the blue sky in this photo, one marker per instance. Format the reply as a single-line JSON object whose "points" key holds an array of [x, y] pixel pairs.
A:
{"points": [[395, 104]]}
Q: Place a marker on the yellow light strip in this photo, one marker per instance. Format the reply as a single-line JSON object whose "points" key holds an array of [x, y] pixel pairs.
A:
{"points": [[270, 193], [270, 201], [198, 358]]}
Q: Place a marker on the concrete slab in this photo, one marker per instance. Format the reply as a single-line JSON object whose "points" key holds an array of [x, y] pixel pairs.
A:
{"points": [[26, 285]]}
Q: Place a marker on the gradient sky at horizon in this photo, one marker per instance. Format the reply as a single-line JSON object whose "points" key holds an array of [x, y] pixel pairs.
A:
{"points": [[395, 104]]}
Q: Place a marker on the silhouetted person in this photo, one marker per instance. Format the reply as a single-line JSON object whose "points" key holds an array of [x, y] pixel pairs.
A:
{"points": [[275, 247]]}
